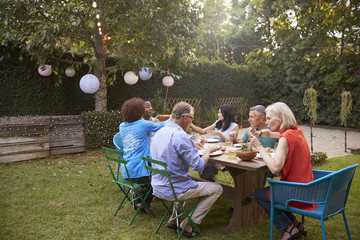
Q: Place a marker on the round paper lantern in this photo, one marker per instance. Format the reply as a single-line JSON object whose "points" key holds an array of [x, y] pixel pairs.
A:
{"points": [[130, 78], [89, 83], [168, 81], [44, 70], [69, 71], [145, 73]]}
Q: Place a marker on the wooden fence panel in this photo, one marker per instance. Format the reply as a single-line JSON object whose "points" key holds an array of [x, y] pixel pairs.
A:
{"points": [[25, 138], [67, 134]]}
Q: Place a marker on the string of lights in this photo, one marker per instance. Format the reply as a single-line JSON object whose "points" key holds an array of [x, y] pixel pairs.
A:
{"points": [[95, 5]]}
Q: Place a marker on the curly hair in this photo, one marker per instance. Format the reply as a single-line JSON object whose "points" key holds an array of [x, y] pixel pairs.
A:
{"points": [[133, 109]]}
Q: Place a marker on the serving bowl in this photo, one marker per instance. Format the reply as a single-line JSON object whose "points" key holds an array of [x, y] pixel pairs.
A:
{"points": [[246, 156]]}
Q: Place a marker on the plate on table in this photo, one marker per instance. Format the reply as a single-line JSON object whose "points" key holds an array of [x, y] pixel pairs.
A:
{"points": [[212, 140], [216, 153], [238, 145]]}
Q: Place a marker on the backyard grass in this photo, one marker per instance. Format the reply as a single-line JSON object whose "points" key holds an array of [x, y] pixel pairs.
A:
{"points": [[72, 197]]}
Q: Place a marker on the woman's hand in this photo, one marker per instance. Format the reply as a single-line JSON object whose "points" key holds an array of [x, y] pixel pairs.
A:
{"points": [[254, 141], [233, 136]]}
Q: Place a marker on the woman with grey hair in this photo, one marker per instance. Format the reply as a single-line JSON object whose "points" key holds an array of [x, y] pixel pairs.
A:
{"points": [[291, 161]]}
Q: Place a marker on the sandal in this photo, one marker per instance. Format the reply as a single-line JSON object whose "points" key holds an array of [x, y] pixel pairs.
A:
{"points": [[171, 226], [193, 233], [301, 229], [295, 236]]}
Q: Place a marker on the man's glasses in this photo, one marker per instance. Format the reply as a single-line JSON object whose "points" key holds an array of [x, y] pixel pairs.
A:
{"points": [[192, 118]]}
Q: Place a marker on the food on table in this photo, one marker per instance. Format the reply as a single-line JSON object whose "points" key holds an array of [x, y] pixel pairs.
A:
{"points": [[246, 155], [223, 148], [163, 117], [202, 140]]}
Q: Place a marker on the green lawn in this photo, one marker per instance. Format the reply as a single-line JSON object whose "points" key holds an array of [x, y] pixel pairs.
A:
{"points": [[72, 197]]}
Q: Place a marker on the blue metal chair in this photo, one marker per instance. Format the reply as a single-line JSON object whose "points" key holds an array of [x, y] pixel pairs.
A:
{"points": [[329, 191], [119, 146]]}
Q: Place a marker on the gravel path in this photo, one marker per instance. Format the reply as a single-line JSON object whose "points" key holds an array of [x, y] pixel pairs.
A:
{"points": [[329, 139]]}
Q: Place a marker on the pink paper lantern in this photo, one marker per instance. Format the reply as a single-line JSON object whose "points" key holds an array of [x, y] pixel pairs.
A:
{"points": [[168, 81], [45, 70]]}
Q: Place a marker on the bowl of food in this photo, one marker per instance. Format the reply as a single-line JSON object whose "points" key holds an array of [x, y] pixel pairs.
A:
{"points": [[163, 117], [246, 155]]}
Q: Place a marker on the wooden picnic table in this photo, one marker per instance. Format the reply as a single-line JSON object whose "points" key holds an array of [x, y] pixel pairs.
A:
{"points": [[247, 175]]}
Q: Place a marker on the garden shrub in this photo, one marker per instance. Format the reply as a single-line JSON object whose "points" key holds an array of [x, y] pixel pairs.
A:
{"points": [[318, 157], [101, 127]]}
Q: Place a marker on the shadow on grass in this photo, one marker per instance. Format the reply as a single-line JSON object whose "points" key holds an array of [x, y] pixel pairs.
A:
{"points": [[74, 198]]}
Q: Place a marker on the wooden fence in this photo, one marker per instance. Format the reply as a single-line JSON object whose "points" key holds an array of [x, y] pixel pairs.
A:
{"points": [[25, 138], [195, 102]]}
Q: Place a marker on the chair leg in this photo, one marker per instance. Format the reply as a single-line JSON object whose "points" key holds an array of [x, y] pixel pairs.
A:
{"points": [[303, 219], [346, 224], [271, 223], [163, 219], [323, 229]]}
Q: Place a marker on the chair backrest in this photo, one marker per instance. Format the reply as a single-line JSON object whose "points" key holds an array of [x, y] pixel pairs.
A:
{"points": [[118, 142], [339, 189], [151, 169], [115, 156]]}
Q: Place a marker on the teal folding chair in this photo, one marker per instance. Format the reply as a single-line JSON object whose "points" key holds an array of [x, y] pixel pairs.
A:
{"points": [[149, 165], [115, 157], [117, 141], [329, 191]]}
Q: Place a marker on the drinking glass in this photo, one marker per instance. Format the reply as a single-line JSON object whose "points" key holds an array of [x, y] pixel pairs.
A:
{"points": [[232, 153], [228, 142]]}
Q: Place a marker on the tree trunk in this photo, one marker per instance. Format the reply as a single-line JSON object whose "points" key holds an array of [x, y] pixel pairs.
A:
{"points": [[311, 137], [100, 72], [345, 138]]}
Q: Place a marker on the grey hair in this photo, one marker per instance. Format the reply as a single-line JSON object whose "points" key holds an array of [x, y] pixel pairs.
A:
{"points": [[288, 118], [260, 110], [180, 109]]}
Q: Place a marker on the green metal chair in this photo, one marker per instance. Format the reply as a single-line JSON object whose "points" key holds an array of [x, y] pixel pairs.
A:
{"points": [[181, 211], [126, 186]]}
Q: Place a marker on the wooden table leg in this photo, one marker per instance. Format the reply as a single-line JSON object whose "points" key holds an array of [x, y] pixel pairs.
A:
{"points": [[246, 210]]}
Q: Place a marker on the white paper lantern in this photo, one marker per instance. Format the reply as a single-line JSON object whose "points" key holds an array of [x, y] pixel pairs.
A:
{"points": [[45, 70], [89, 83], [130, 78], [145, 73], [168, 81], [69, 71]]}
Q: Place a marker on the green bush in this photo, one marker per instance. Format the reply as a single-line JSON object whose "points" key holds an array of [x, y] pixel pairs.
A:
{"points": [[101, 127], [318, 157]]}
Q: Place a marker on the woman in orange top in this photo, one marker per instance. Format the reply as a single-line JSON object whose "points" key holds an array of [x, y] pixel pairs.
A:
{"points": [[291, 161]]}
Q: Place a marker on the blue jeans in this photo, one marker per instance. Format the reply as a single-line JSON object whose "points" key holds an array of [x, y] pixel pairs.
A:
{"points": [[283, 220]]}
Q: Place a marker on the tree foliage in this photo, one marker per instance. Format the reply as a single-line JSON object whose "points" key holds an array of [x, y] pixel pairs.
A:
{"points": [[291, 46], [114, 36]]}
